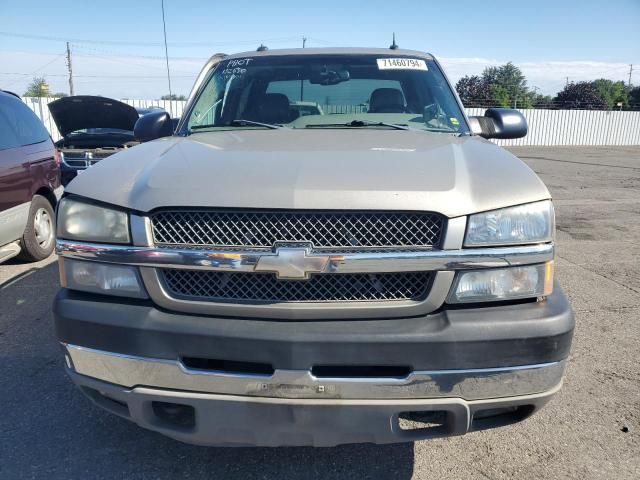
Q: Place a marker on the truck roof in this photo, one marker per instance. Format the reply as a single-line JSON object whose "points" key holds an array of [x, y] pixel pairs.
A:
{"points": [[334, 51]]}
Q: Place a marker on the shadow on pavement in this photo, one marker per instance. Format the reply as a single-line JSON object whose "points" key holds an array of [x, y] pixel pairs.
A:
{"points": [[49, 430]]}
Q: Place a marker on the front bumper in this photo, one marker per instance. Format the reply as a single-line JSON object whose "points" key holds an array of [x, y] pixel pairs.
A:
{"points": [[128, 357], [230, 420], [451, 339]]}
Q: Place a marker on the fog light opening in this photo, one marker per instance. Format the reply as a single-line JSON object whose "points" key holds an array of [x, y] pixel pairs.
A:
{"points": [[499, 417], [427, 420], [175, 414]]}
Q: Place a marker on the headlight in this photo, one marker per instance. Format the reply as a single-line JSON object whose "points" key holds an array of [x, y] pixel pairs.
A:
{"points": [[498, 284], [529, 223], [105, 278], [90, 223]]}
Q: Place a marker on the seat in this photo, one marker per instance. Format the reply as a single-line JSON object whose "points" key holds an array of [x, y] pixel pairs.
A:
{"points": [[387, 100], [271, 108]]}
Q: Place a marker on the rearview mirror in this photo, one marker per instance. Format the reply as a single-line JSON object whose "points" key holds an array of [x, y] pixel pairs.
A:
{"points": [[500, 123], [153, 125], [329, 77]]}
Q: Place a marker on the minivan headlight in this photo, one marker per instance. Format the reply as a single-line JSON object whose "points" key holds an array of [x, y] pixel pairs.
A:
{"points": [[529, 223], [87, 222]]}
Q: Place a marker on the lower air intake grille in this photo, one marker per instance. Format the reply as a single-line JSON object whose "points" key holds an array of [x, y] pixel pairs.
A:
{"points": [[265, 287]]}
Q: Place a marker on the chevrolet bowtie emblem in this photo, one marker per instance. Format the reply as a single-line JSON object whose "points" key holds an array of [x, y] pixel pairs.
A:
{"points": [[293, 263]]}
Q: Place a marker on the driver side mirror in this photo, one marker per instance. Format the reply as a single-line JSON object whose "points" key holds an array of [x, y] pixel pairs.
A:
{"points": [[500, 123], [153, 125]]}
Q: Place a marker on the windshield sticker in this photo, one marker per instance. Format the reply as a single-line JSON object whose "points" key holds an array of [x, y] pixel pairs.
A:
{"points": [[454, 121], [401, 64], [236, 67]]}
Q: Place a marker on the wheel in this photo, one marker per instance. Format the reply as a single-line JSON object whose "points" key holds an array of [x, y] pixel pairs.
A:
{"points": [[38, 239]]}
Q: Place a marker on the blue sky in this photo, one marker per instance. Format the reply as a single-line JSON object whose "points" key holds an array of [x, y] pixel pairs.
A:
{"points": [[117, 44]]}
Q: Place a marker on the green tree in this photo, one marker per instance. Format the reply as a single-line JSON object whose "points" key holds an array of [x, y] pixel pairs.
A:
{"points": [[37, 88], [612, 92], [507, 86], [581, 95], [634, 97], [473, 91], [173, 96], [541, 101]]}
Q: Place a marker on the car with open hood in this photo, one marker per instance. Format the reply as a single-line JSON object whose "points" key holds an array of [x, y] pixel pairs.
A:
{"points": [[92, 128], [372, 269]]}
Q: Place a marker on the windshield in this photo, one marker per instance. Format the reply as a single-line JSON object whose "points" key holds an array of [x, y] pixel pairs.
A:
{"points": [[327, 91]]}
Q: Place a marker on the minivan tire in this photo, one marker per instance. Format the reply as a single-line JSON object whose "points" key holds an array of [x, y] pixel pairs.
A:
{"points": [[38, 240]]}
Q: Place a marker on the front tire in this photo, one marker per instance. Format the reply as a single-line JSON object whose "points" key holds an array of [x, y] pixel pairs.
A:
{"points": [[38, 239]]}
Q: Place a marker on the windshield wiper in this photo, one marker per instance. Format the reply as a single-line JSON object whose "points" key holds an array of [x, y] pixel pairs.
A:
{"points": [[359, 123], [238, 123]]}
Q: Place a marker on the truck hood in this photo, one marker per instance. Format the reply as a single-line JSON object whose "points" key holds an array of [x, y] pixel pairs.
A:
{"points": [[84, 111], [359, 169]]}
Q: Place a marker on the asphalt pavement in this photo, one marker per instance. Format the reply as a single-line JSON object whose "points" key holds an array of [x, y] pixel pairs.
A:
{"points": [[591, 430]]}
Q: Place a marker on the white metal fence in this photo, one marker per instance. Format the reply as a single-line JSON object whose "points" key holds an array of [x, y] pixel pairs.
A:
{"points": [[546, 127], [576, 127]]}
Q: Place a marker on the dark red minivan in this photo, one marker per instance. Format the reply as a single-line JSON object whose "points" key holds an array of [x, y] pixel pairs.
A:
{"points": [[29, 183]]}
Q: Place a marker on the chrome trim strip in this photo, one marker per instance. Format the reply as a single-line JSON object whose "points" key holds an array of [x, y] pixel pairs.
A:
{"points": [[454, 236], [375, 262], [141, 235], [469, 384]]}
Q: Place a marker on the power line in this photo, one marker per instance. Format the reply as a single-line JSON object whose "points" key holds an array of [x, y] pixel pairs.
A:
{"points": [[106, 53], [37, 69], [146, 44], [117, 59], [97, 76]]}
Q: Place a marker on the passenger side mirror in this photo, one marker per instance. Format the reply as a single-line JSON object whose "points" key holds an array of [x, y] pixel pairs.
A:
{"points": [[153, 125], [499, 123]]}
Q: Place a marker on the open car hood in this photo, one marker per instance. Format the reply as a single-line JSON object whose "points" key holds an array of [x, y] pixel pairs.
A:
{"points": [[83, 111]]}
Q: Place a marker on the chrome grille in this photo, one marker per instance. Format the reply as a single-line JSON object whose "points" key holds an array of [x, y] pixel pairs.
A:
{"points": [[324, 230], [84, 160], [200, 285]]}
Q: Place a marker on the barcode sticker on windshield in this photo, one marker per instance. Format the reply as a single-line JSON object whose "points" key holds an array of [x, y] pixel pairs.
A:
{"points": [[401, 64]]}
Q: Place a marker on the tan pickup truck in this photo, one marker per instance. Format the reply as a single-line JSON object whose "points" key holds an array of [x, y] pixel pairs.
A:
{"points": [[376, 271]]}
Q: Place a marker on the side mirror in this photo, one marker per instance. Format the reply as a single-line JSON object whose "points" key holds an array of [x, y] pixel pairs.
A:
{"points": [[499, 123], [153, 125]]}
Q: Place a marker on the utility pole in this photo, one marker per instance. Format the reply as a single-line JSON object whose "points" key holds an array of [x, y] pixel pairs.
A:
{"points": [[70, 68], [304, 41], [567, 80], [630, 72]]}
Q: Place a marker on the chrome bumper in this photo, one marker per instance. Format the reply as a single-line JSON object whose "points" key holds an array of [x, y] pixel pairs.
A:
{"points": [[443, 262], [225, 260], [470, 384]]}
